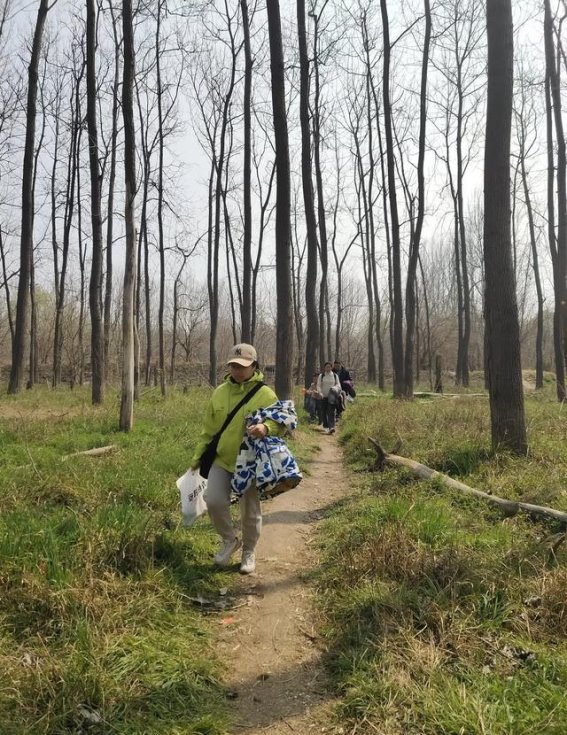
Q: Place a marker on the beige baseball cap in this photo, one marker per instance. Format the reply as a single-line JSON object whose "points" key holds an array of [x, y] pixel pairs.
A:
{"points": [[242, 354]]}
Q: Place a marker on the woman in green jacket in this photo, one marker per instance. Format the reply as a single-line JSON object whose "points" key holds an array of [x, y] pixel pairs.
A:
{"points": [[243, 375]]}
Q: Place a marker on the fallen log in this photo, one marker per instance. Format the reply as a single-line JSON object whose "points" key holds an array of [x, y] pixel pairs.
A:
{"points": [[509, 507], [97, 451]]}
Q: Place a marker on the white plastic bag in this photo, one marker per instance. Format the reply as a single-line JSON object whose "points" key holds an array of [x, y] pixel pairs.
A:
{"points": [[192, 490]]}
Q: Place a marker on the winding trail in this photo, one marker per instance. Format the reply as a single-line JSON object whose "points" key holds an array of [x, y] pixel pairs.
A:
{"points": [[273, 662]]}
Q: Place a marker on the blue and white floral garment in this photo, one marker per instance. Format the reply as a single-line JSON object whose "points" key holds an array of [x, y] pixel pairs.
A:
{"points": [[268, 461]]}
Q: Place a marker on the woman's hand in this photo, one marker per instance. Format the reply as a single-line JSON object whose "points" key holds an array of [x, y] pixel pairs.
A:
{"points": [[258, 431]]}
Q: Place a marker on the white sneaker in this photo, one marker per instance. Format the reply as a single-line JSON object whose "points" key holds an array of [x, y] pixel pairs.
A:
{"points": [[248, 564], [227, 549]]}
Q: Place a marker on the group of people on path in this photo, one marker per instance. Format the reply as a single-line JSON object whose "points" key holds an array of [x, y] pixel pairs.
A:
{"points": [[326, 397], [235, 417]]}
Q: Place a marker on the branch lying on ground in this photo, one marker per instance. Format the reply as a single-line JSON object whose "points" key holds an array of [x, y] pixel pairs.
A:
{"points": [[509, 507], [429, 394], [91, 452]]}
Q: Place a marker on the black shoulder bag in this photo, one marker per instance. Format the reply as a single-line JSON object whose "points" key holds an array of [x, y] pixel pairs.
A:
{"points": [[210, 452]]}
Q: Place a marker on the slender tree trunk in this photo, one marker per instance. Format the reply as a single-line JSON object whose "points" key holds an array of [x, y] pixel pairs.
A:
{"points": [[296, 283], [371, 275], [397, 311], [67, 225], [212, 278], [427, 324], [284, 319], [127, 394], [82, 264], [26, 238], [231, 255], [161, 241], [245, 311], [147, 282], [557, 241], [175, 320], [501, 312], [264, 217], [33, 364], [411, 320], [6, 278], [220, 163], [364, 208], [535, 256], [312, 336], [111, 188], [324, 345], [95, 284], [34, 344]]}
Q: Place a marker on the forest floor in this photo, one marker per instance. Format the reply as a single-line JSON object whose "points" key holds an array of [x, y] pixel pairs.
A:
{"points": [[271, 650]]}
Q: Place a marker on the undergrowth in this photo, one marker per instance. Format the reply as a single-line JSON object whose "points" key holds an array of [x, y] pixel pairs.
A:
{"points": [[440, 615]]}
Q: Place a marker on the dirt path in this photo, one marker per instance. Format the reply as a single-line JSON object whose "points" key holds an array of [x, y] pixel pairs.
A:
{"points": [[270, 647]]}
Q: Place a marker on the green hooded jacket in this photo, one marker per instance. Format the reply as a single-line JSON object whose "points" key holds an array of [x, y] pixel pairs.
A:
{"points": [[224, 398]]}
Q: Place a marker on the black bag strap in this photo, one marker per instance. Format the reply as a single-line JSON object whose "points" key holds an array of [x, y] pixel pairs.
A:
{"points": [[252, 392]]}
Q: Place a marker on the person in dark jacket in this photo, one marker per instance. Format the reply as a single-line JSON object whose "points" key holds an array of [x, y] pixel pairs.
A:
{"points": [[345, 378]]}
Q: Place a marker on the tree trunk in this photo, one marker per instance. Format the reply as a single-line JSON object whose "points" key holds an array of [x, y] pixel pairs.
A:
{"points": [[95, 283], [219, 169], [521, 126], [82, 264], [111, 187], [557, 239], [161, 241], [212, 278], [26, 239], [312, 337], [6, 278], [416, 238], [397, 312], [501, 313], [246, 306], [34, 343], [69, 208], [284, 319], [264, 217], [127, 394], [324, 338]]}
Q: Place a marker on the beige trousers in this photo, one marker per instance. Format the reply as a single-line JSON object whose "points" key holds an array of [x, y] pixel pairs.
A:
{"points": [[218, 506]]}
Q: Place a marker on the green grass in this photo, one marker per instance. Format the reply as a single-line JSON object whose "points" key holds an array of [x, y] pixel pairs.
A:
{"points": [[97, 633], [440, 615]]}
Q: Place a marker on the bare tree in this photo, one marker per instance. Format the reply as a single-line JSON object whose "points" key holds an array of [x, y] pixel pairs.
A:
{"points": [[459, 98], [246, 306], [34, 326], [127, 395], [284, 325], [525, 119], [557, 229], [324, 314], [26, 238], [95, 285], [111, 190], [417, 226], [397, 304], [312, 337]]}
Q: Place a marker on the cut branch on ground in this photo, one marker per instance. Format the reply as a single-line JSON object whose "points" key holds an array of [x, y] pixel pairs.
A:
{"points": [[96, 452], [509, 507]]}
